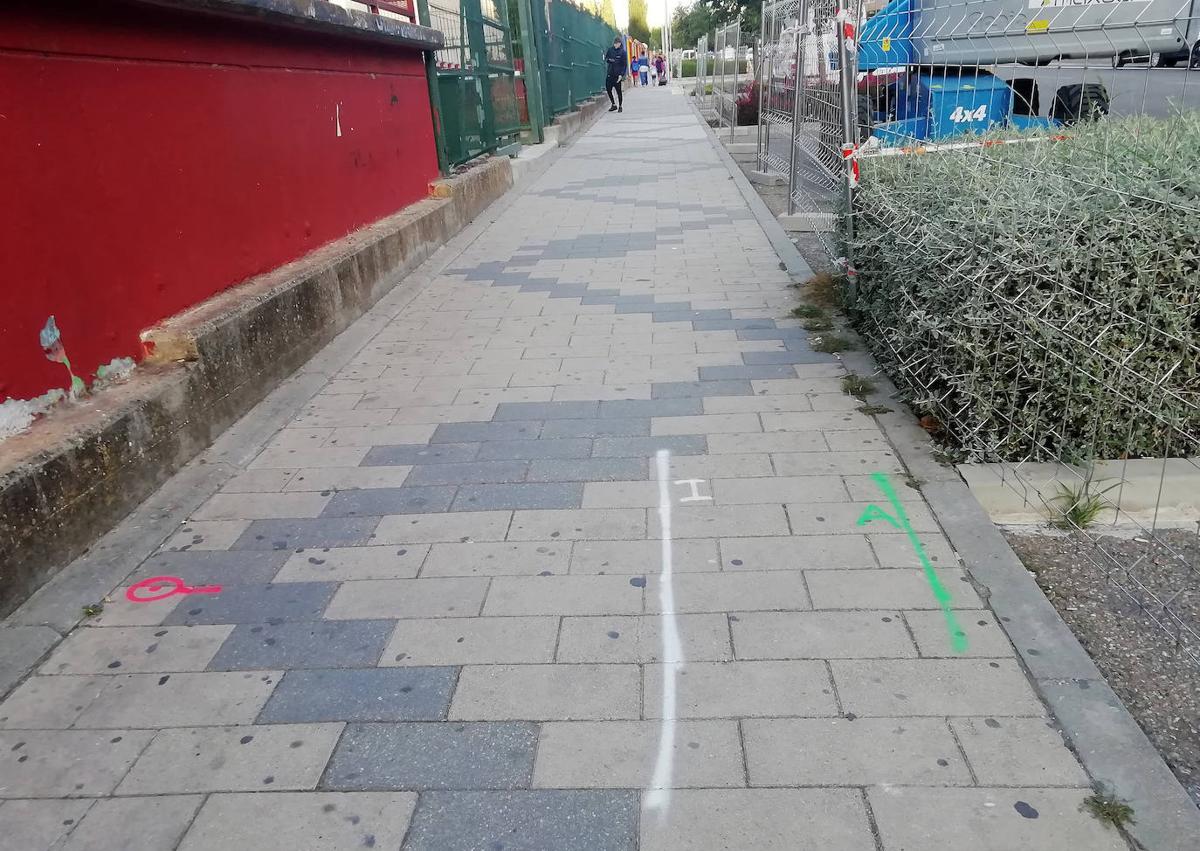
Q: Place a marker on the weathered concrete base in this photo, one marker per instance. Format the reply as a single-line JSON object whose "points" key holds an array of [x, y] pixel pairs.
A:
{"points": [[75, 475], [739, 148], [766, 178], [809, 222]]}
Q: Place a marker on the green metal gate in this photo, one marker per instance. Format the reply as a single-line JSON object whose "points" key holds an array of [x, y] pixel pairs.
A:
{"points": [[570, 45]]}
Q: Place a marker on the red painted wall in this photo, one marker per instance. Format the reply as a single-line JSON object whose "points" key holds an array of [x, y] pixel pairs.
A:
{"points": [[149, 159]]}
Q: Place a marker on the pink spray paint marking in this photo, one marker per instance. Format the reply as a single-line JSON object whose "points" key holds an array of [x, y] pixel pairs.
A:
{"points": [[162, 587]]}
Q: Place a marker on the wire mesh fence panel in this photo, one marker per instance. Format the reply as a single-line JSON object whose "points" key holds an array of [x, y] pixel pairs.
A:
{"points": [[726, 75], [702, 70], [572, 44], [777, 82], [1026, 255]]}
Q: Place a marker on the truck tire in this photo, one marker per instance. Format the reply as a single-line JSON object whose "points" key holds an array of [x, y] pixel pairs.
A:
{"points": [[1119, 60], [1079, 102], [1025, 96]]}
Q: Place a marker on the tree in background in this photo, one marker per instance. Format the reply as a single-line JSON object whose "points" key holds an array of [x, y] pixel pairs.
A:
{"points": [[638, 26], [607, 13], [690, 22], [728, 11], [656, 38]]}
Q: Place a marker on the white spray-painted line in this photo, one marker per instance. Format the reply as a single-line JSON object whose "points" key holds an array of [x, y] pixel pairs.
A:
{"points": [[695, 485], [337, 119], [658, 796]]}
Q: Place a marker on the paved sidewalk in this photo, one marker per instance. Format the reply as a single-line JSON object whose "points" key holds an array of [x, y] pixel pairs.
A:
{"points": [[568, 559]]}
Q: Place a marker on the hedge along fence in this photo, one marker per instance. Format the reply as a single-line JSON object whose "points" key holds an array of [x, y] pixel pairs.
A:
{"points": [[1041, 300]]}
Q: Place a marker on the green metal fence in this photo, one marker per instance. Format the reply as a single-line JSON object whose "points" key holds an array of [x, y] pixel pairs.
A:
{"points": [[570, 45]]}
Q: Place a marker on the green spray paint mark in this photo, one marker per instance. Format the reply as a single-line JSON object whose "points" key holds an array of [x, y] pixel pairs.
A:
{"points": [[958, 637]]}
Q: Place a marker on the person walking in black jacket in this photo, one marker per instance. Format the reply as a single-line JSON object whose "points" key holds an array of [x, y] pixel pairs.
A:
{"points": [[616, 62]]}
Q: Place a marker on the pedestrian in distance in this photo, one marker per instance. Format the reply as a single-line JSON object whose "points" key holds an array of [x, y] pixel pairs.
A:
{"points": [[616, 64], [660, 65], [644, 68]]}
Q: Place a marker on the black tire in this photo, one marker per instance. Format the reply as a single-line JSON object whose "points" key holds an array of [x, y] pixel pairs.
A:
{"points": [[1167, 63], [1026, 100], [1119, 60], [1080, 102]]}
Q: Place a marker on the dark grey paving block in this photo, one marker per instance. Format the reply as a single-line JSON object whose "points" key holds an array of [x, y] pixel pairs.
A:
{"points": [[478, 432], [473, 472], [522, 495], [689, 315], [282, 601], [213, 567], [434, 756], [638, 447], [419, 453], [733, 324], [655, 307], [700, 389], [722, 373], [544, 820], [374, 502], [589, 470], [362, 694], [544, 410], [597, 427], [314, 532], [625, 408], [528, 450], [317, 644], [772, 333], [789, 356]]}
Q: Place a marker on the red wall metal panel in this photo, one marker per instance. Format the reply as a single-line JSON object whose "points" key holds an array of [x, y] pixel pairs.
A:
{"points": [[151, 159]]}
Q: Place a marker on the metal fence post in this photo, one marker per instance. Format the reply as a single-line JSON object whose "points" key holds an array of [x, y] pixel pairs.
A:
{"points": [[733, 118], [791, 200], [761, 60], [533, 71], [847, 64]]}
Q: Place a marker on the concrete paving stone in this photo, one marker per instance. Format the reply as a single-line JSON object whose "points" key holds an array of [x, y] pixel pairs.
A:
{"points": [[519, 495], [136, 649], [778, 489], [793, 386], [1027, 819], [830, 421], [379, 501], [529, 450], [564, 595], [249, 603], [473, 641], [700, 389], [703, 520], [316, 644], [382, 435], [364, 694], [173, 700], [527, 411], [841, 518], [259, 758], [794, 441], [418, 454], [212, 567], [206, 535], [807, 463], [1018, 752], [734, 324], [721, 373], [394, 398], [547, 693], [642, 557], [258, 481], [66, 763], [339, 564], [348, 478], [833, 401], [459, 597], [314, 821], [614, 638], [50, 703], [706, 424], [756, 404], [753, 358], [772, 333], [821, 635], [418, 414], [640, 408], [579, 524], [587, 469], [327, 416], [796, 553], [462, 526], [719, 466], [731, 592], [900, 588], [898, 551], [856, 440], [623, 754], [502, 396], [39, 825], [475, 472], [434, 756], [742, 689], [934, 687], [336, 456], [635, 494], [858, 752], [481, 432], [598, 427], [762, 819], [526, 820], [149, 822], [985, 637], [318, 532]]}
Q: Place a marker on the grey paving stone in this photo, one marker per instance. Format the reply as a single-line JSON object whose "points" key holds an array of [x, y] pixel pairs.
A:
{"points": [[480, 432], [337, 564], [792, 462], [20, 649], [842, 517], [564, 595], [578, 524], [521, 495], [759, 819], [472, 641], [476, 472], [581, 820], [497, 559], [312, 644], [623, 754], [624, 447], [779, 489], [742, 690], [702, 520], [587, 470], [151, 822], [368, 694], [796, 553], [348, 478], [1018, 752], [642, 557], [318, 532], [731, 592], [546, 692], [707, 424], [771, 333], [859, 752], [821, 635], [699, 389], [374, 502], [206, 535], [66, 763], [461, 527], [176, 700], [37, 825], [314, 821], [773, 442], [898, 587], [260, 506], [285, 601], [213, 567], [136, 649], [788, 357], [418, 454], [409, 598], [934, 687], [735, 325], [722, 373], [989, 819], [985, 638], [529, 450], [545, 410], [259, 758], [720, 466], [598, 427], [897, 551], [50, 703], [615, 638], [450, 755], [631, 408]]}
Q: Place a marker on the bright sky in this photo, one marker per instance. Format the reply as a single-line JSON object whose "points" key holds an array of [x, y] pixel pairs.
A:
{"points": [[654, 11]]}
